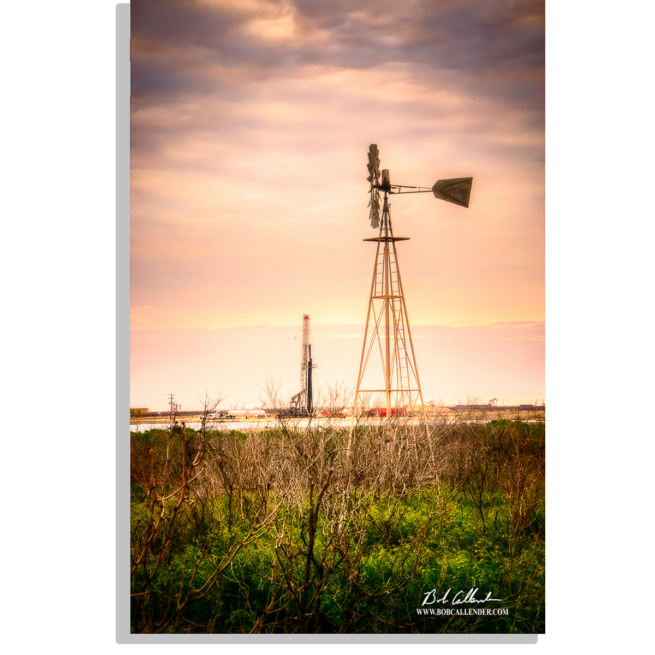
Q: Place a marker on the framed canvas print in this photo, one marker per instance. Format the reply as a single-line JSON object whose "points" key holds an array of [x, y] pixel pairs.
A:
{"points": [[337, 411]]}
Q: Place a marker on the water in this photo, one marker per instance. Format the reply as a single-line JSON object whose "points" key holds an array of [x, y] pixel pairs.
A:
{"points": [[297, 423]]}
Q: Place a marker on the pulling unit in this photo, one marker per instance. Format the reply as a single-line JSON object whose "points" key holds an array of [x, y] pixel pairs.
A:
{"points": [[302, 402]]}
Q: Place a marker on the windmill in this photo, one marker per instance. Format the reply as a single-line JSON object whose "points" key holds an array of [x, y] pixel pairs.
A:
{"points": [[387, 311]]}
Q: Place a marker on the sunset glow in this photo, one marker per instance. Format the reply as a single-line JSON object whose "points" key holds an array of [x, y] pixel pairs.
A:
{"points": [[250, 127]]}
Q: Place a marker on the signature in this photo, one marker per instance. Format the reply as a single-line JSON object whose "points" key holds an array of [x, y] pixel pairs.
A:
{"points": [[431, 598]]}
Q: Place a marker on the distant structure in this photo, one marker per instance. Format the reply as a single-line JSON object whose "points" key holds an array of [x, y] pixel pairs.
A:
{"points": [[173, 406], [387, 324], [302, 402]]}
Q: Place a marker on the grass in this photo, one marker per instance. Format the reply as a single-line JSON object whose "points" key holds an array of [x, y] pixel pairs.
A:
{"points": [[268, 554]]}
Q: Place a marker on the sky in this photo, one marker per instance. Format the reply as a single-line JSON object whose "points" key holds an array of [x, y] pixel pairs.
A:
{"points": [[250, 127]]}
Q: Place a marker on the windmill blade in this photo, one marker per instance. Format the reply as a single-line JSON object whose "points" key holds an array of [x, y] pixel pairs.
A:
{"points": [[374, 204], [373, 163], [374, 178], [456, 190]]}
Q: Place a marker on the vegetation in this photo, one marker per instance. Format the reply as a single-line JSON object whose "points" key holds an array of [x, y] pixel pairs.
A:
{"points": [[326, 530]]}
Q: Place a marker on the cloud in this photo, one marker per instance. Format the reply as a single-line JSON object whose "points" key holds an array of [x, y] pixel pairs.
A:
{"points": [[249, 127], [486, 47], [242, 77], [250, 122]]}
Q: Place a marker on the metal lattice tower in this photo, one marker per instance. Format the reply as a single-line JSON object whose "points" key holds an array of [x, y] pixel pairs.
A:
{"points": [[303, 400], [387, 322], [390, 333]]}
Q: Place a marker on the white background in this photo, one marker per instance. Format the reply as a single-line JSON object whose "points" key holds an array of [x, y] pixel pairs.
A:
{"points": [[58, 329]]}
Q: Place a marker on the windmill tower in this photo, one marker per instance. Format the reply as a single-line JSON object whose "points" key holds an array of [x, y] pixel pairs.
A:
{"points": [[387, 330], [303, 402]]}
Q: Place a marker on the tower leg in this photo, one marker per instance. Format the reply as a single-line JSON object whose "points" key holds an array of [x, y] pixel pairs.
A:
{"points": [[362, 365]]}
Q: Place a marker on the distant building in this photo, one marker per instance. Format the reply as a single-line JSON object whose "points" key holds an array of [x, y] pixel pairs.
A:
{"points": [[138, 411]]}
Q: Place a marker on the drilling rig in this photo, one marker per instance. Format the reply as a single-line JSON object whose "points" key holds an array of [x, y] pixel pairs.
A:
{"points": [[302, 402]]}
